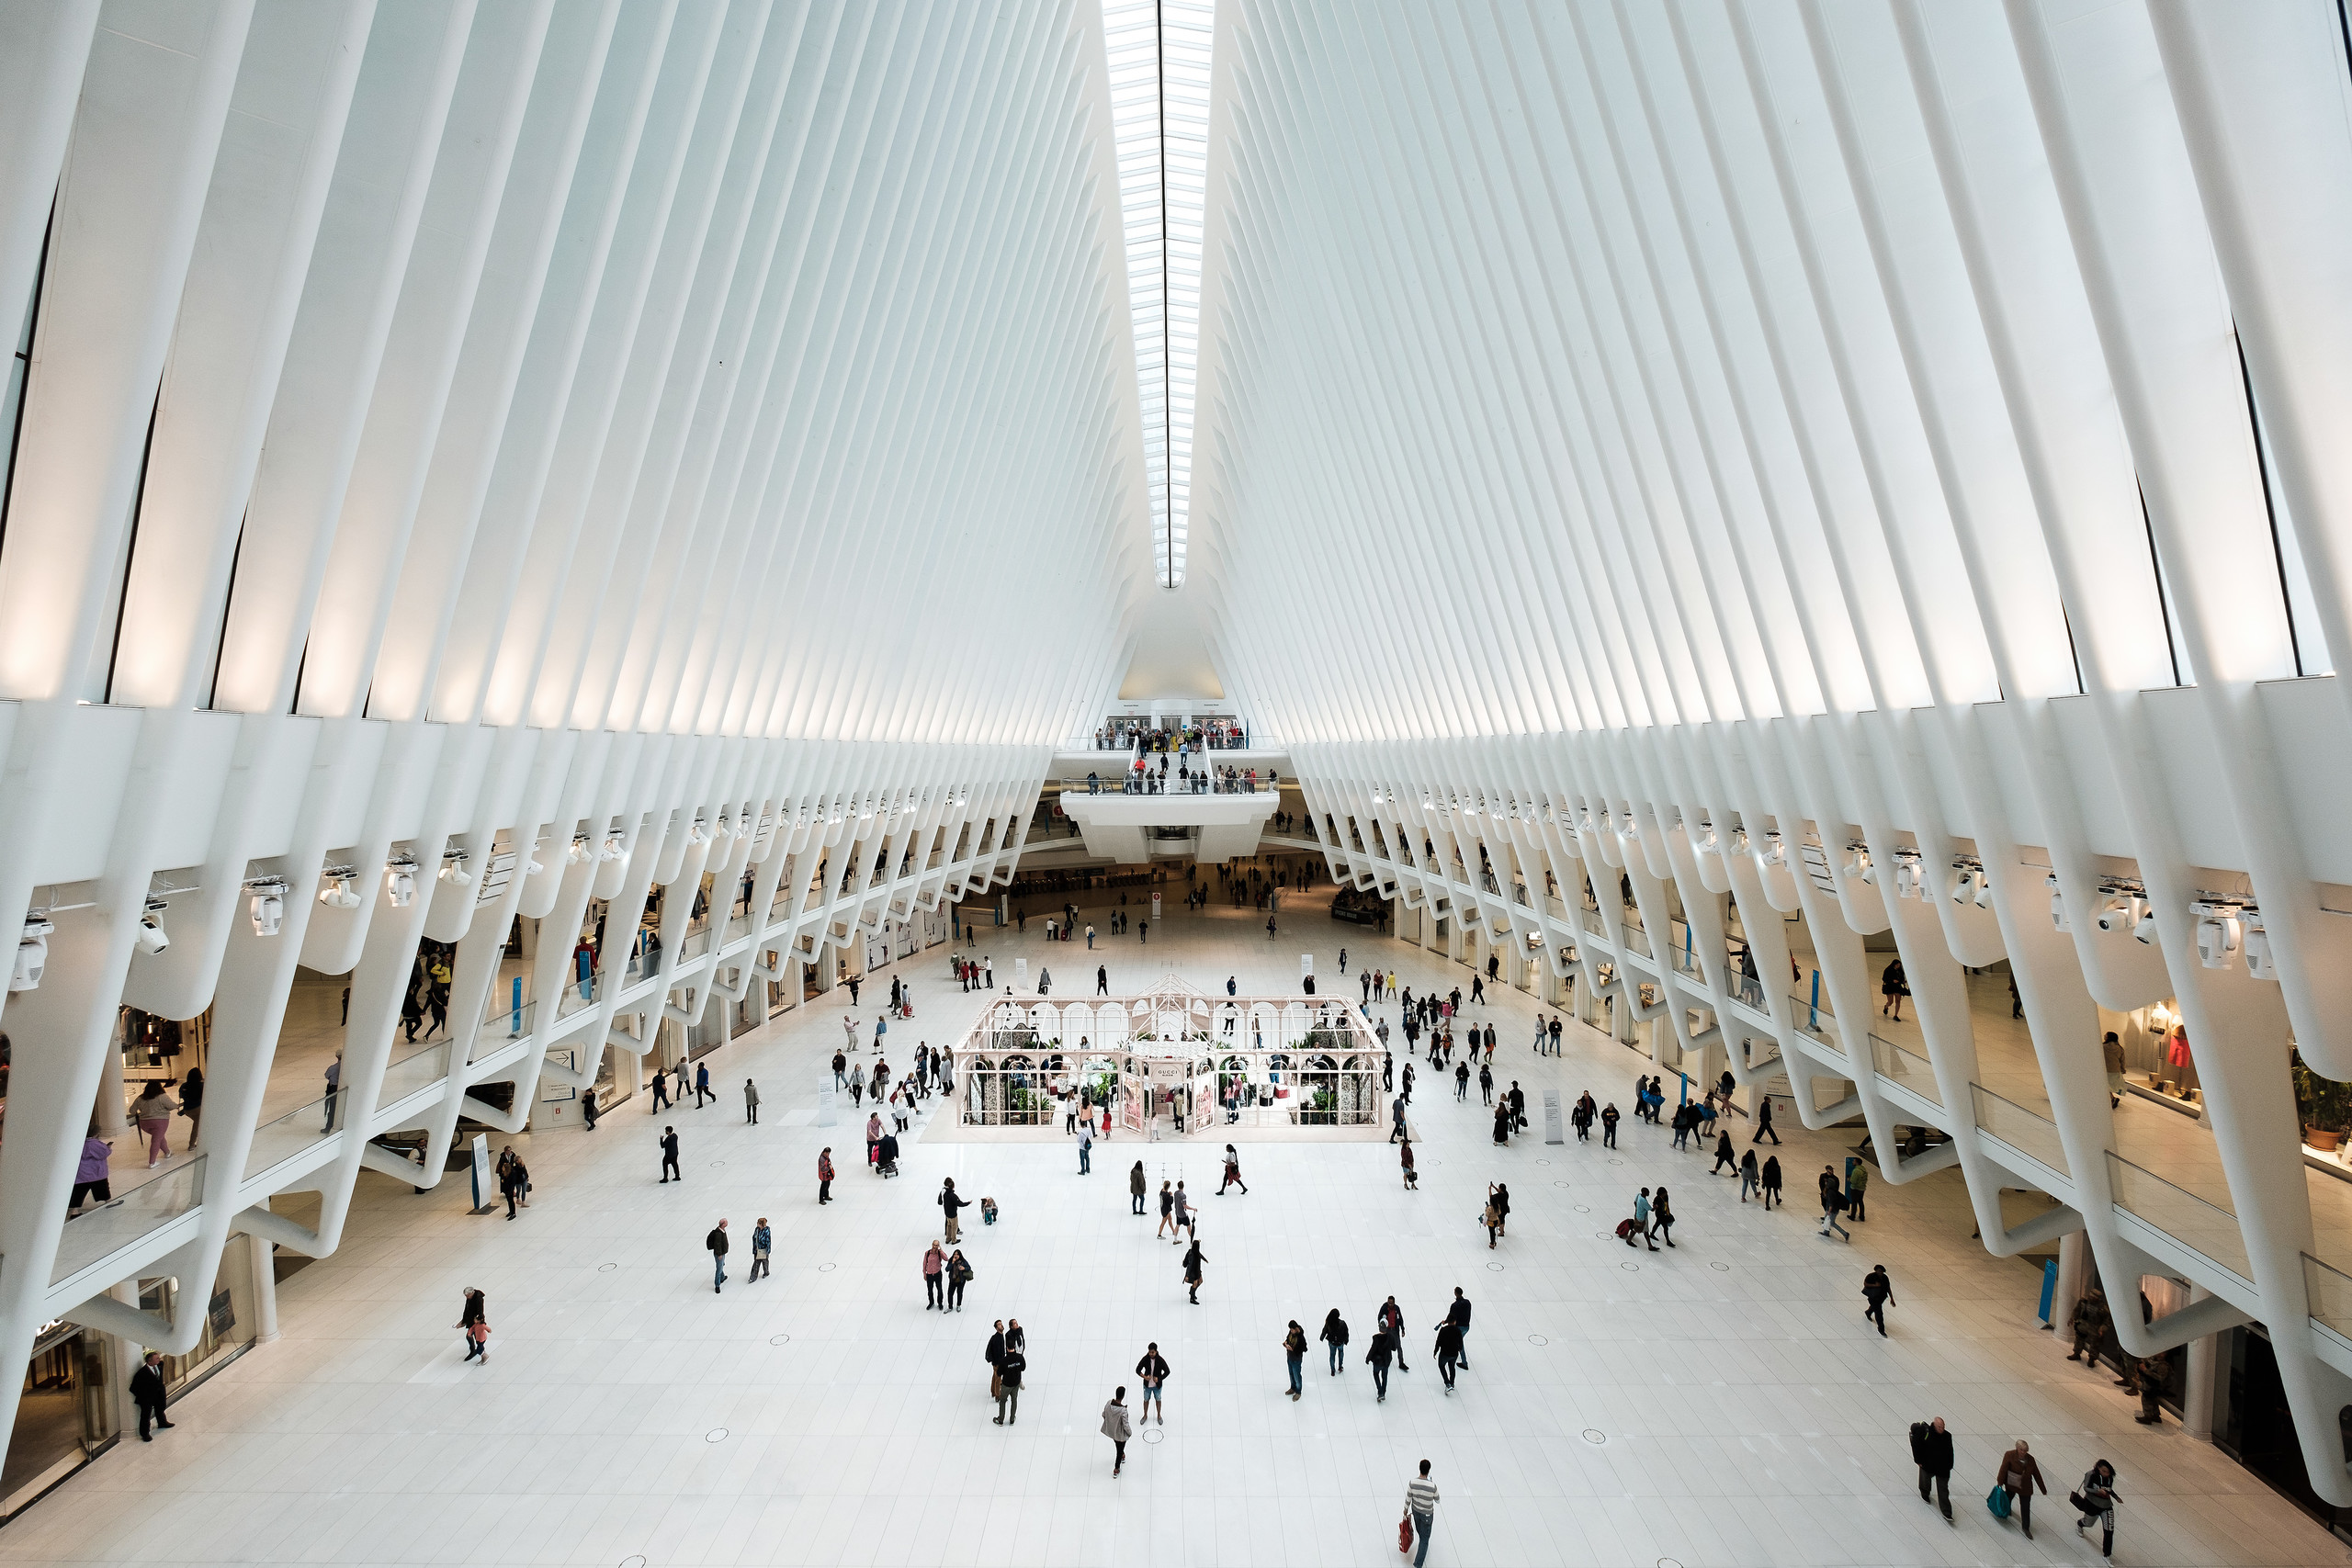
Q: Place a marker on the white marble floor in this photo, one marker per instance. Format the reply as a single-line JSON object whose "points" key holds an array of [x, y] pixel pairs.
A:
{"points": [[1719, 1404]]}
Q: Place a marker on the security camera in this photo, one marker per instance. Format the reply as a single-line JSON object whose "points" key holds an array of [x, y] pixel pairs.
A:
{"points": [[2258, 963], [2119, 914], [32, 954], [2145, 929], [2058, 910], [2217, 939], [400, 886], [151, 935], [268, 913], [1983, 891], [1963, 886]]}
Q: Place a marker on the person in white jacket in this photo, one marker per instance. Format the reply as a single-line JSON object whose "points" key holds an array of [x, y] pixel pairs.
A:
{"points": [[1118, 1428]]}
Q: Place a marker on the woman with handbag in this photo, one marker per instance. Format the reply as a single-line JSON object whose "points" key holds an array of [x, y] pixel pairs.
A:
{"points": [[2095, 1502], [2013, 1486]]}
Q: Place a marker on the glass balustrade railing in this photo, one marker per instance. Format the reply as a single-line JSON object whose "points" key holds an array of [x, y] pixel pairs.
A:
{"points": [[1519, 893], [110, 1227], [283, 1137], [2202, 1227], [419, 1066], [693, 944], [1813, 1019], [1747, 987], [2027, 1132], [507, 1022], [578, 996], [1590, 918], [2329, 1290], [738, 927], [1637, 939], [1555, 909], [1913, 1071]]}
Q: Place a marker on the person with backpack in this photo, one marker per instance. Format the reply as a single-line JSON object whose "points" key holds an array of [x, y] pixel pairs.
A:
{"points": [[1153, 1369], [1878, 1290], [1335, 1336], [2089, 1324], [1833, 1199], [1931, 1451], [717, 1243]]}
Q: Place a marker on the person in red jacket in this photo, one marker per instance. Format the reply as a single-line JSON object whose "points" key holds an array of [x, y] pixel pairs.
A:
{"points": [[825, 1175]]}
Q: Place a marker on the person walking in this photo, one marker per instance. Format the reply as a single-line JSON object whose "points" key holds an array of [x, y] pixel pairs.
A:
{"points": [[2018, 1475], [2095, 1500], [1858, 1180], [763, 1245], [473, 1323], [1392, 1318], [702, 1085], [148, 1393], [1748, 1181], [1458, 1315], [1723, 1155], [1335, 1338], [857, 1083], [1377, 1356], [1895, 988], [1294, 1353], [1420, 1507], [1086, 1146], [1115, 1423], [717, 1242], [90, 1178], [1662, 1216], [588, 1105], [513, 1181], [1462, 1082], [1396, 1115], [751, 1102], [1405, 1159], [1878, 1290], [1232, 1173], [1185, 1224], [1610, 1117], [1448, 1351], [1640, 1224], [1153, 1369], [1192, 1261], [1136, 1186], [152, 1110], [934, 1283], [1764, 1122], [949, 1201], [1833, 1198], [1167, 1206], [959, 1274], [1009, 1371], [334, 1092], [669, 1145], [1931, 1451]]}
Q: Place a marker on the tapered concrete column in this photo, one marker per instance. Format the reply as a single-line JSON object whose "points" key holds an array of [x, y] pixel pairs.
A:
{"points": [[2204, 1366]]}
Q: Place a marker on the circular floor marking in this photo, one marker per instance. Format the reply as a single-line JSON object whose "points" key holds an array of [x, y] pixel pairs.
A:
{"points": [[1582, 1209], [1542, 1162], [1537, 1339], [824, 1268], [716, 1434], [1720, 1268], [1594, 1435], [1496, 1266], [718, 1162], [1667, 1562], [1155, 1436], [637, 1562], [1630, 1268], [606, 1267], [1559, 1184], [1616, 1162], [779, 1338]]}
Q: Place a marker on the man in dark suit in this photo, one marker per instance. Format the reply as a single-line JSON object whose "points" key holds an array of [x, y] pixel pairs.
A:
{"points": [[147, 1389]]}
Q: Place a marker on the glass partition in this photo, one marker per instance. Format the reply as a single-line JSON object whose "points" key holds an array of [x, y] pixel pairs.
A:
{"points": [[2027, 1132], [2197, 1224], [2331, 1295], [1907, 1067], [109, 1228]]}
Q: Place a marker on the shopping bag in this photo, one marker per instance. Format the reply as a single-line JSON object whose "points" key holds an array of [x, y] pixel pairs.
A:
{"points": [[1405, 1533], [1998, 1500]]}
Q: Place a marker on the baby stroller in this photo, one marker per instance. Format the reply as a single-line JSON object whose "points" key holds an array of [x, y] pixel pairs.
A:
{"points": [[887, 1156]]}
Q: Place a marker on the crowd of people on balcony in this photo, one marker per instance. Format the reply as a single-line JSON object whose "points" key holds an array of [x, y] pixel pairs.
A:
{"points": [[1144, 738]]}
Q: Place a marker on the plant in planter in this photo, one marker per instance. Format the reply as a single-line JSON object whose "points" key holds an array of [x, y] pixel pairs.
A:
{"points": [[2325, 1104]]}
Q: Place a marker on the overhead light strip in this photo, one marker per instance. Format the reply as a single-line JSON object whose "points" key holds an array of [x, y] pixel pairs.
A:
{"points": [[1159, 113]]}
